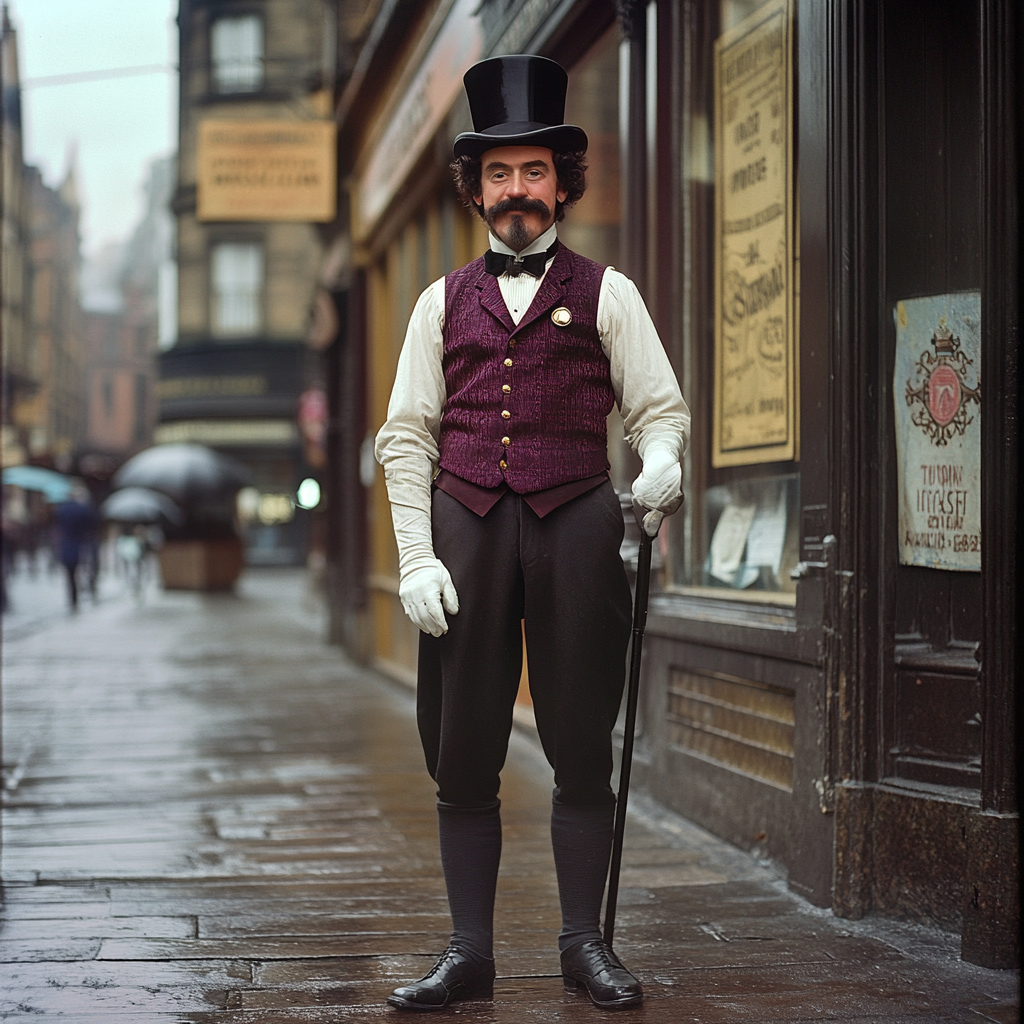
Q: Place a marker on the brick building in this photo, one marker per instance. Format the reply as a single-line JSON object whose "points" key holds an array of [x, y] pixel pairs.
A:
{"points": [[54, 417], [120, 345], [20, 366]]}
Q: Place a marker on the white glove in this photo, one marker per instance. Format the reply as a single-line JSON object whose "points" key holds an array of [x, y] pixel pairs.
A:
{"points": [[424, 584], [427, 593], [659, 487]]}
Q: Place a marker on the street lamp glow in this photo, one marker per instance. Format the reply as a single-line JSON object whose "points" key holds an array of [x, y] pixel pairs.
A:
{"points": [[308, 494]]}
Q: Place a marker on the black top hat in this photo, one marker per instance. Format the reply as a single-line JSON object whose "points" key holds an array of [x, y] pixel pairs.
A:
{"points": [[518, 101]]}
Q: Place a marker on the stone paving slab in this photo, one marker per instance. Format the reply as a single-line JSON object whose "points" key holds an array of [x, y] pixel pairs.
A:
{"points": [[211, 817]]}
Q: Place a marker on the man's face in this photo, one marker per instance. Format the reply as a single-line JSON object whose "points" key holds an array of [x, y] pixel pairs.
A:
{"points": [[519, 188]]}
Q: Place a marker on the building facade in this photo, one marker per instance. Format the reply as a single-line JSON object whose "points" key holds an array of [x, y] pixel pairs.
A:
{"points": [[121, 343], [246, 273], [819, 202], [119, 388], [20, 366], [53, 418]]}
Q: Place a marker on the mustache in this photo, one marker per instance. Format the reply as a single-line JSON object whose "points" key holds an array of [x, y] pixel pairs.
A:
{"points": [[519, 204]]}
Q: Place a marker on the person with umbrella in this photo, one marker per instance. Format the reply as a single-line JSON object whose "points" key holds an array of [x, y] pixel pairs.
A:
{"points": [[203, 485], [55, 488], [508, 372], [140, 513]]}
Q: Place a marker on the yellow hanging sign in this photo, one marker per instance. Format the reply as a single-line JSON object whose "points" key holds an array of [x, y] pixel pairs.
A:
{"points": [[266, 170]]}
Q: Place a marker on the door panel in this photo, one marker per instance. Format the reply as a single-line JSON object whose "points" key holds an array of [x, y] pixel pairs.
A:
{"points": [[933, 246]]}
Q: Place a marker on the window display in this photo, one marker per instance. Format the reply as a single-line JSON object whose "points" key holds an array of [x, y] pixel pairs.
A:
{"points": [[740, 304]]}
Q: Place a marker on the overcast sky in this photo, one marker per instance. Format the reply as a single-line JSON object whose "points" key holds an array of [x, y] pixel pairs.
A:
{"points": [[119, 125]]}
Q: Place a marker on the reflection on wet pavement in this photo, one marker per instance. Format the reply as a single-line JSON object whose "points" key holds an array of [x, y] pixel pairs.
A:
{"points": [[212, 816]]}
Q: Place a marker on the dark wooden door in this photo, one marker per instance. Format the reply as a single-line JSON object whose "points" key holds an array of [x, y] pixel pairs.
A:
{"points": [[933, 244]]}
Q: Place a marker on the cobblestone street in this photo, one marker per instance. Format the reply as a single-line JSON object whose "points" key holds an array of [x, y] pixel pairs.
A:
{"points": [[210, 815]]}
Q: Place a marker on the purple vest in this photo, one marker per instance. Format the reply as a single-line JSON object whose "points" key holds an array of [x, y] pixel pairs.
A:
{"points": [[526, 405]]}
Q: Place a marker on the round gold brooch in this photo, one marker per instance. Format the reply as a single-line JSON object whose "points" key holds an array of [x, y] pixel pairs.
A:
{"points": [[561, 317]]}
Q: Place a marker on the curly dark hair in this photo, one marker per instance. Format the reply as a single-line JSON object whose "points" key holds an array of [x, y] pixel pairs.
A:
{"points": [[571, 169]]}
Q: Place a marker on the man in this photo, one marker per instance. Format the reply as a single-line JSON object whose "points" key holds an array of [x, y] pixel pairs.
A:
{"points": [[76, 529], [509, 370]]}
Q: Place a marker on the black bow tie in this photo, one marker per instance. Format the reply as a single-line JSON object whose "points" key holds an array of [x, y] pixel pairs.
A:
{"points": [[498, 263]]}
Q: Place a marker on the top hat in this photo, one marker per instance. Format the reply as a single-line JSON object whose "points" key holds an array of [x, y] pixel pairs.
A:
{"points": [[518, 101]]}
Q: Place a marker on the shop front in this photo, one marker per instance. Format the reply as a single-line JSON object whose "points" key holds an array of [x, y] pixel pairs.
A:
{"points": [[825, 232]]}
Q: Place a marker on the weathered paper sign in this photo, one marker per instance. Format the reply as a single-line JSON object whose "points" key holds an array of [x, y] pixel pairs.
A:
{"points": [[755, 321], [937, 395]]}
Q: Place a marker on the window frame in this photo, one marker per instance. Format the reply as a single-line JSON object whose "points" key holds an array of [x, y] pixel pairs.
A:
{"points": [[216, 86], [686, 98], [228, 333]]}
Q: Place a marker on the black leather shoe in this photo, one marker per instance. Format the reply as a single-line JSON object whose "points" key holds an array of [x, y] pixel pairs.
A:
{"points": [[593, 966], [456, 975]]}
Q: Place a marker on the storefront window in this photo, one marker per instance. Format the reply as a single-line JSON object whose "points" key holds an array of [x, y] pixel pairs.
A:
{"points": [[739, 302], [593, 227], [592, 101]]}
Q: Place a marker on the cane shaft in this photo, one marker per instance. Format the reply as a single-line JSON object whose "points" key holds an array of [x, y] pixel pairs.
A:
{"points": [[643, 586]]}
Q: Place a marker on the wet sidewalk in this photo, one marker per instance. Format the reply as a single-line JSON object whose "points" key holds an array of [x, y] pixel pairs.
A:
{"points": [[212, 816]]}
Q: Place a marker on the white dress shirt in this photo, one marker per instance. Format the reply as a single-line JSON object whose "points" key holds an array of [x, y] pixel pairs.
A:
{"points": [[642, 378]]}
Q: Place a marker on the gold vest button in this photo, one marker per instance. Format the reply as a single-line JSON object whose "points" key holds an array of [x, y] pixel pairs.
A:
{"points": [[503, 464], [505, 414], [506, 441], [508, 362], [506, 388]]}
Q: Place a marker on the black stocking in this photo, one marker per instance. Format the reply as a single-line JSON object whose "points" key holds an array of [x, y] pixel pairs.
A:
{"points": [[470, 839], [581, 838]]}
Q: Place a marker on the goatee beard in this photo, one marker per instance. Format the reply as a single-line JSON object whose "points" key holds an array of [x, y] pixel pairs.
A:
{"points": [[518, 237]]}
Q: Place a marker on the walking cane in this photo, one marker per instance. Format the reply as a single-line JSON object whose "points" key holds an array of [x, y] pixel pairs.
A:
{"points": [[643, 586]]}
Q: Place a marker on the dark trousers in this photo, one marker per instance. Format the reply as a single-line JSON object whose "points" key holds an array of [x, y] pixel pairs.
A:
{"points": [[71, 571], [561, 574]]}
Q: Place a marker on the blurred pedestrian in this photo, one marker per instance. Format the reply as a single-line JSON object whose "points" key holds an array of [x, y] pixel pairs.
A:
{"points": [[495, 456], [8, 552], [75, 536], [132, 548], [90, 556]]}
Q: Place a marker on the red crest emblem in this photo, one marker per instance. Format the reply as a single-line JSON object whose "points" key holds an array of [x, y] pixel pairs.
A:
{"points": [[943, 394]]}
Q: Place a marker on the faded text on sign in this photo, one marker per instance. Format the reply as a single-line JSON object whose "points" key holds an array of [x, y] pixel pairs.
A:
{"points": [[755, 371]]}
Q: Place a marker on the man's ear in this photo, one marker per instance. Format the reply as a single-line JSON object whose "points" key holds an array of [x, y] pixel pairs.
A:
{"points": [[478, 200], [561, 194]]}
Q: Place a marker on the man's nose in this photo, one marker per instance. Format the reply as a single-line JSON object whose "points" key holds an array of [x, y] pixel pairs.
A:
{"points": [[517, 185]]}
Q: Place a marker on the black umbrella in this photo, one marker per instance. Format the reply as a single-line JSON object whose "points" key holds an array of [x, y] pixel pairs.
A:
{"points": [[186, 472], [141, 505]]}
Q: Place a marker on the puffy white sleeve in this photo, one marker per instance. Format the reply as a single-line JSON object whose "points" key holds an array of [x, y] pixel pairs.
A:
{"points": [[643, 380], [406, 445]]}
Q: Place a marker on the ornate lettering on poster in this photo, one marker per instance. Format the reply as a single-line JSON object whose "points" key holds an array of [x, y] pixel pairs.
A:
{"points": [[937, 394], [755, 359]]}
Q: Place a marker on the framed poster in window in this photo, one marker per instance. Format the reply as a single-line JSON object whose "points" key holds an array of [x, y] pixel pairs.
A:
{"points": [[755, 372]]}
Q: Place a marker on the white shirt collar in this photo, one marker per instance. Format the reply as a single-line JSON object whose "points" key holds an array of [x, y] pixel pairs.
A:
{"points": [[540, 244]]}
